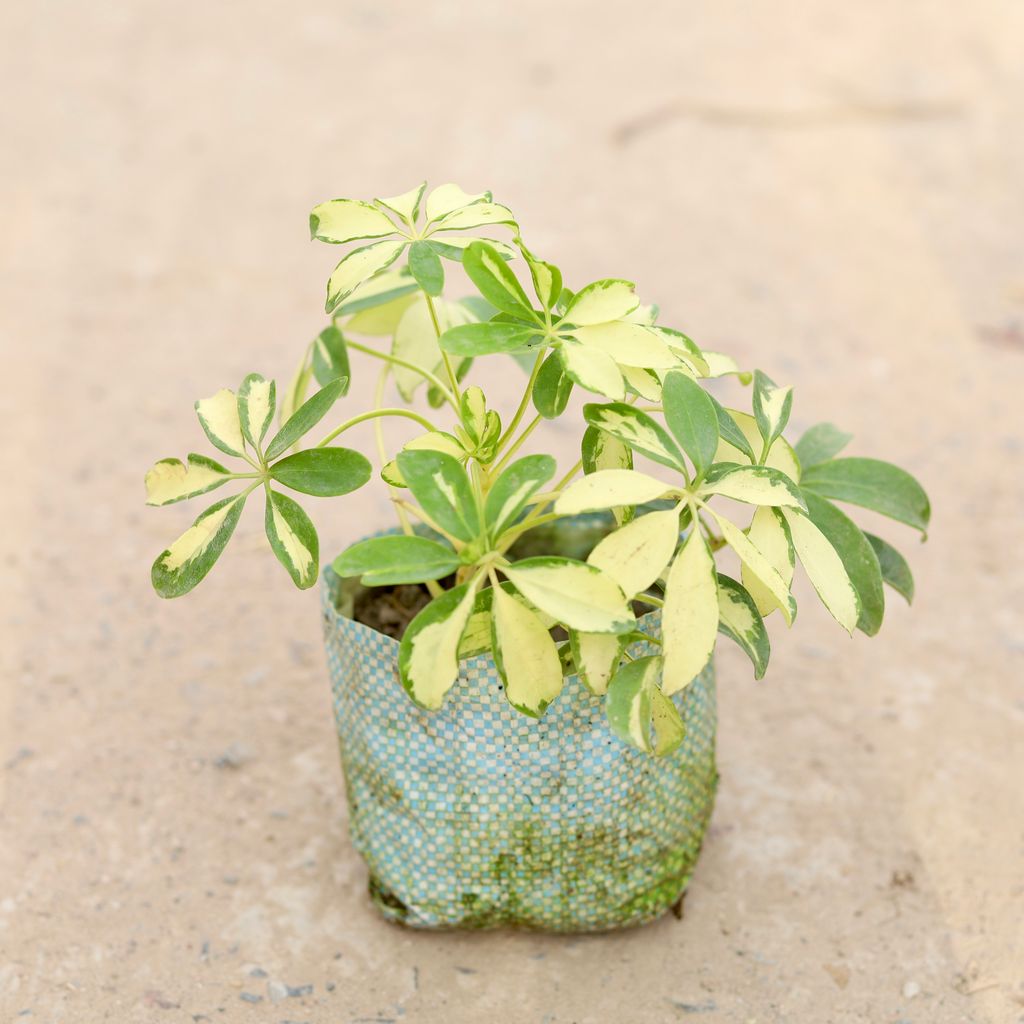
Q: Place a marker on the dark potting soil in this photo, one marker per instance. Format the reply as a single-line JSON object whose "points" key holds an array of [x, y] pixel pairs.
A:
{"points": [[390, 609]]}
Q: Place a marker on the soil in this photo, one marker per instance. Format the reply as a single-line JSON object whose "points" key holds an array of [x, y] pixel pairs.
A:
{"points": [[389, 610]]}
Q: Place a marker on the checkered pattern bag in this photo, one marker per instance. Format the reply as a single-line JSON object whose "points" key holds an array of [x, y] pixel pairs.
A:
{"points": [[476, 816]]}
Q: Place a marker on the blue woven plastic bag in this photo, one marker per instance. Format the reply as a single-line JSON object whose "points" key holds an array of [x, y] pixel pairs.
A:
{"points": [[476, 816]]}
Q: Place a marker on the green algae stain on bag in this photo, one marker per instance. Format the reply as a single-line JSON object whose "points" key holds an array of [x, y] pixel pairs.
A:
{"points": [[477, 817]]}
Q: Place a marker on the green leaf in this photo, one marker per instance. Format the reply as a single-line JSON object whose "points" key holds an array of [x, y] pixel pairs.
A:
{"points": [[488, 338], [547, 280], [307, 416], [669, 727], [596, 657], [607, 488], [324, 472], [858, 557], [575, 593], [295, 393], [740, 621], [636, 554], [495, 280], [772, 406], [345, 220], [406, 205], [524, 654], [170, 480], [256, 401], [330, 356], [689, 619], [871, 483], [390, 560], [187, 561], [600, 302], [629, 702], [638, 430], [454, 248], [440, 484], [425, 266], [894, 567], [592, 369], [293, 538], [428, 655], [218, 416], [755, 485], [359, 266], [821, 443], [825, 570], [514, 488], [692, 418], [730, 432], [552, 388]]}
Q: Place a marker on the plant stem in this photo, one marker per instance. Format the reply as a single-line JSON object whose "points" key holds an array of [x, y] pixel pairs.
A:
{"points": [[395, 361], [524, 404], [376, 414], [382, 452], [402, 504], [453, 380], [527, 431], [510, 536], [654, 602]]}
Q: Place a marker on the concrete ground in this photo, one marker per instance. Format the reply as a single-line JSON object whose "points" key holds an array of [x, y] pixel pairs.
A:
{"points": [[831, 191]]}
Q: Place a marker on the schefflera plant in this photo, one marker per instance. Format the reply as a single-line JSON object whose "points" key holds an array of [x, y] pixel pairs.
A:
{"points": [[474, 496]]}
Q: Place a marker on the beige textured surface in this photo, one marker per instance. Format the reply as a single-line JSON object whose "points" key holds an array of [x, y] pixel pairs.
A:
{"points": [[830, 190]]}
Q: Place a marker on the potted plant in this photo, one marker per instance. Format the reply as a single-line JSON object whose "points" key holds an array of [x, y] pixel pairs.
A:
{"points": [[522, 667]]}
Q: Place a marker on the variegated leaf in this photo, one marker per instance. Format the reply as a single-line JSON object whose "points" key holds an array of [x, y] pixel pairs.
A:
{"points": [[739, 619], [330, 356], [435, 441], [477, 215], [770, 535], [638, 430], [552, 388], [635, 555], [358, 266], [780, 457], [187, 561], [415, 340], [669, 727], [218, 416], [825, 570], [579, 595], [596, 657], [306, 417], [756, 564], [513, 489], [345, 220], [592, 369], [689, 619], [628, 343], [600, 302], [448, 198], [389, 560], [644, 382], [628, 705], [772, 406], [293, 538], [428, 658], [170, 480], [755, 485], [388, 286], [406, 205], [606, 488], [440, 484], [256, 402], [495, 280], [453, 247], [525, 655], [295, 394]]}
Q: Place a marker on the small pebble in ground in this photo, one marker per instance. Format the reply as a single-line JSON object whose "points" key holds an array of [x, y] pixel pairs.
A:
{"points": [[911, 989]]}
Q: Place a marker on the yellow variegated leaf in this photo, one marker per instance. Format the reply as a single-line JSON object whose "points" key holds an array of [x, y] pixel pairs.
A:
{"points": [[755, 485], [448, 198], [781, 457], [415, 340], [475, 216], [645, 383], [597, 657], [635, 555], [755, 562], [720, 365], [292, 538], [689, 620], [477, 636], [770, 535], [825, 570], [628, 343], [592, 369], [256, 401], [191, 556], [171, 480], [434, 441], [428, 655], [380, 321], [600, 302], [218, 416], [645, 315], [358, 266], [460, 242], [669, 727], [345, 220], [608, 487], [581, 596], [525, 655], [407, 204]]}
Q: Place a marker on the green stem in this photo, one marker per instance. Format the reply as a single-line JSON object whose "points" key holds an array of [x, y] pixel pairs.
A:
{"points": [[654, 602], [382, 451], [376, 414], [401, 503], [524, 404], [509, 537], [395, 361], [527, 431], [453, 380]]}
